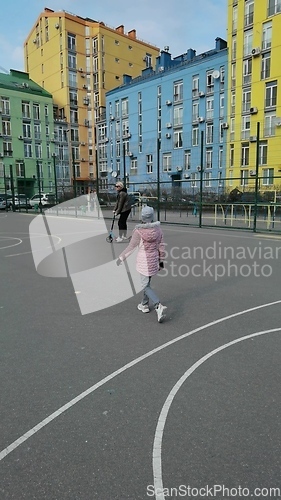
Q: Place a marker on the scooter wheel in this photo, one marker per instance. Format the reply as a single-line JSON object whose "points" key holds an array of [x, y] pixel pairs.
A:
{"points": [[109, 239]]}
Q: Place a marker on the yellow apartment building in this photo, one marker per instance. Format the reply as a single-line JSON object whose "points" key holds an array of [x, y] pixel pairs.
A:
{"points": [[78, 60], [254, 102]]}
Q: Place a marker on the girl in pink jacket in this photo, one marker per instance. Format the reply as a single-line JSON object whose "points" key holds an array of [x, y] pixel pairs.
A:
{"points": [[148, 237]]}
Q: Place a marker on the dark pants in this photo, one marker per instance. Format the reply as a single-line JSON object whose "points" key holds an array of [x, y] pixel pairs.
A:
{"points": [[122, 221]]}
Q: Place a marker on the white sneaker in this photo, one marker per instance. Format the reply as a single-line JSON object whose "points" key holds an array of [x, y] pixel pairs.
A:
{"points": [[119, 240], [125, 238], [143, 308], [161, 314]]}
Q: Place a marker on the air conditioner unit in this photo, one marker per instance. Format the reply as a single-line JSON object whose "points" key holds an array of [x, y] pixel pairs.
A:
{"points": [[168, 136], [83, 75], [82, 143], [144, 58], [198, 168], [186, 176], [168, 103], [130, 153], [82, 159], [20, 137], [179, 169], [57, 26], [201, 119], [224, 125], [256, 51], [277, 122], [1, 155], [252, 173], [34, 41], [112, 118], [85, 87], [106, 139], [201, 94], [161, 68], [80, 70], [253, 138], [168, 125], [253, 111]]}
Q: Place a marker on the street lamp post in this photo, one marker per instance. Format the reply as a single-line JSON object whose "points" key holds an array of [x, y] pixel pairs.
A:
{"points": [[55, 177], [39, 184], [124, 163]]}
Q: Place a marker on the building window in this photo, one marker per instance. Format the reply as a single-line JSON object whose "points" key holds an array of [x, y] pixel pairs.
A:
{"points": [[167, 162], [233, 74], [209, 108], [248, 43], [209, 133], [178, 139], [208, 177], [5, 106], [125, 107], [268, 176], [247, 71], [71, 42], [195, 136], [6, 127], [178, 116], [244, 177], [195, 111], [245, 155], [274, 7], [265, 66], [210, 82], [25, 107], [195, 86], [231, 156], [178, 91], [263, 153], [234, 18], [209, 158], [149, 164], [271, 94], [269, 124], [187, 160], [246, 101], [245, 130], [27, 150], [266, 35], [249, 13]]}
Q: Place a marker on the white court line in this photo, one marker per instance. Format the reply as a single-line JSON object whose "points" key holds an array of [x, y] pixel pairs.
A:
{"points": [[230, 232], [157, 445], [99, 384], [11, 238]]}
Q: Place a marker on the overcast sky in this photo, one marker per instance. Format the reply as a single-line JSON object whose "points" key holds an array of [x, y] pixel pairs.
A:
{"points": [[181, 25]]}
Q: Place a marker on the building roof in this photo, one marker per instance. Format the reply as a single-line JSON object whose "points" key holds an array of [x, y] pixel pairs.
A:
{"points": [[20, 81]]}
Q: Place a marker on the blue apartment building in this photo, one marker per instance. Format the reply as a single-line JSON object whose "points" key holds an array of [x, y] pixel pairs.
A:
{"points": [[166, 124]]}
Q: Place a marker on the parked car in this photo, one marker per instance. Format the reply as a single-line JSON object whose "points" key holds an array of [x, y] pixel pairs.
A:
{"points": [[3, 204], [20, 201], [45, 199]]}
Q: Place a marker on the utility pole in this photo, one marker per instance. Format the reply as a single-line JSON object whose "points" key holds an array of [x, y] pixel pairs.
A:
{"points": [[158, 178], [201, 177], [257, 178]]}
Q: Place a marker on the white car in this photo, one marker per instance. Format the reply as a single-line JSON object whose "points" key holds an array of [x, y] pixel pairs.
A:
{"points": [[45, 199]]}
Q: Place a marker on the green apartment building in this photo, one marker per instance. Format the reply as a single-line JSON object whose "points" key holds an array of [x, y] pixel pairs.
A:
{"points": [[27, 154]]}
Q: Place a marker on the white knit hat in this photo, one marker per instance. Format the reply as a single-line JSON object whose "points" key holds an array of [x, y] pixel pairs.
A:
{"points": [[147, 214]]}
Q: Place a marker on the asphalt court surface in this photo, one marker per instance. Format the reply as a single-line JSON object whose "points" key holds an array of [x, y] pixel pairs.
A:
{"points": [[112, 405]]}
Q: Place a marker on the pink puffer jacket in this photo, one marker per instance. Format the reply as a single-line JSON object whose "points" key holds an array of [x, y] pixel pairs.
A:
{"points": [[149, 238]]}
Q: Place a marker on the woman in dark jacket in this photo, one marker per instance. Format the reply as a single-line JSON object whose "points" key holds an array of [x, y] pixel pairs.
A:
{"points": [[122, 208]]}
